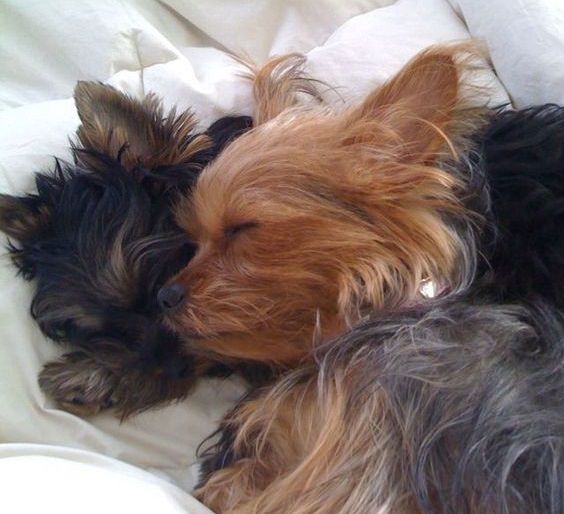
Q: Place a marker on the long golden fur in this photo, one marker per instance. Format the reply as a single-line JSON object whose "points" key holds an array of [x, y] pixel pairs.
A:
{"points": [[312, 444]]}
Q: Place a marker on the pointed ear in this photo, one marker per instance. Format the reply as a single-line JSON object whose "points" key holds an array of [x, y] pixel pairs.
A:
{"points": [[415, 106], [22, 217], [137, 132]]}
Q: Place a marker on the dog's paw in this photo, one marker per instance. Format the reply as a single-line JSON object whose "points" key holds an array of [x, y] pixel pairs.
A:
{"points": [[79, 384]]}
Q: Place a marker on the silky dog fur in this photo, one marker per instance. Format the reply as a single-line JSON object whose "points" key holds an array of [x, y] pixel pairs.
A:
{"points": [[522, 155], [450, 408], [317, 219]]}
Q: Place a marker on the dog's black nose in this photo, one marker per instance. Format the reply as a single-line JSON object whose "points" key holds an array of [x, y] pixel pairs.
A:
{"points": [[171, 296]]}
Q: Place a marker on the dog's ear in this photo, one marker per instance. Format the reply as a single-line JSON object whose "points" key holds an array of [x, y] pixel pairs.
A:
{"points": [[278, 84], [414, 107], [138, 133], [226, 129], [22, 217]]}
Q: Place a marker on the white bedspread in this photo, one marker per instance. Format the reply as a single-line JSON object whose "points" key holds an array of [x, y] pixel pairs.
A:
{"points": [[177, 49]]}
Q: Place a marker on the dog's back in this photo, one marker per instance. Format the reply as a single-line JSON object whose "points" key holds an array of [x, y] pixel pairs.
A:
{"points": [[475, 392], [523, 156]]}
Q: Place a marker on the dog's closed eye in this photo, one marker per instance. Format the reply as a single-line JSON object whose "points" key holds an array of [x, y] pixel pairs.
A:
{"points": [[233, 230]]}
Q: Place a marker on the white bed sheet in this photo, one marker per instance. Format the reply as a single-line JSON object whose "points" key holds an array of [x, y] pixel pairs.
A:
{"points": [[177, 49], [58, 480]]}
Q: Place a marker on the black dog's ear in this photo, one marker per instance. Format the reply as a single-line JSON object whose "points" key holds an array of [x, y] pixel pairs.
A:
{"points": [[221, 133], [226, 129], [138, 133], [22, 217]]}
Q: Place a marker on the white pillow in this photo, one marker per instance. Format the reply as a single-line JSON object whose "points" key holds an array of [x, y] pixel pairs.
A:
{"points": [[526, 43]]}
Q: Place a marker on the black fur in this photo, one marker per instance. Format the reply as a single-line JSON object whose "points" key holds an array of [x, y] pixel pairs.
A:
{"points": [[522, 153], [100, 243]]}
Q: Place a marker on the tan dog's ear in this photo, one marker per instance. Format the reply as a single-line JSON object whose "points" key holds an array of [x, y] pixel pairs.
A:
{"points": [[138, 132], [277, 86], [415, 106]]}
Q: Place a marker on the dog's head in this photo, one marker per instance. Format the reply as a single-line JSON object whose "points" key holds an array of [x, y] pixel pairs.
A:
{"points": [[314, 217], [98, 236]]}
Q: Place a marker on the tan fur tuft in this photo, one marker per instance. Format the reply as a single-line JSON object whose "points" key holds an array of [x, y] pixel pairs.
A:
{"points": [[310, 445], [278, 84], [21, 218]]}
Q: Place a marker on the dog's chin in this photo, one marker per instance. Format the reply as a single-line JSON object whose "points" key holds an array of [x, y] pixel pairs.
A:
{"points": [[173, 323], [194, 340], [188, 329], [234, 344], [206, 346]]}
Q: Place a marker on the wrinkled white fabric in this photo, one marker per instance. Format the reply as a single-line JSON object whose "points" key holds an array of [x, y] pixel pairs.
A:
{"points": [[176, 48], [57, 480], [388, 38], [47, 45], [526, 43]]}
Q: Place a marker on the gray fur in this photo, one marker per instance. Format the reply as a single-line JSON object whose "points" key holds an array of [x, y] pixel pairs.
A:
{"points": [[476, 392]]}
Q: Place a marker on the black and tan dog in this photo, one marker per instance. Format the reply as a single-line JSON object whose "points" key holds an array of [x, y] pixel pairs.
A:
{"points": [[99, 240]]}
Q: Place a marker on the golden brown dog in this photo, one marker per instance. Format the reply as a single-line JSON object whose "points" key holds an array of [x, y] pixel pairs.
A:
{"points": [[316, 217]]}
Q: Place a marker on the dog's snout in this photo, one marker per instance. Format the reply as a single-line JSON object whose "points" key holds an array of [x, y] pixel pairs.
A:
{"points": [[170, 296]]}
